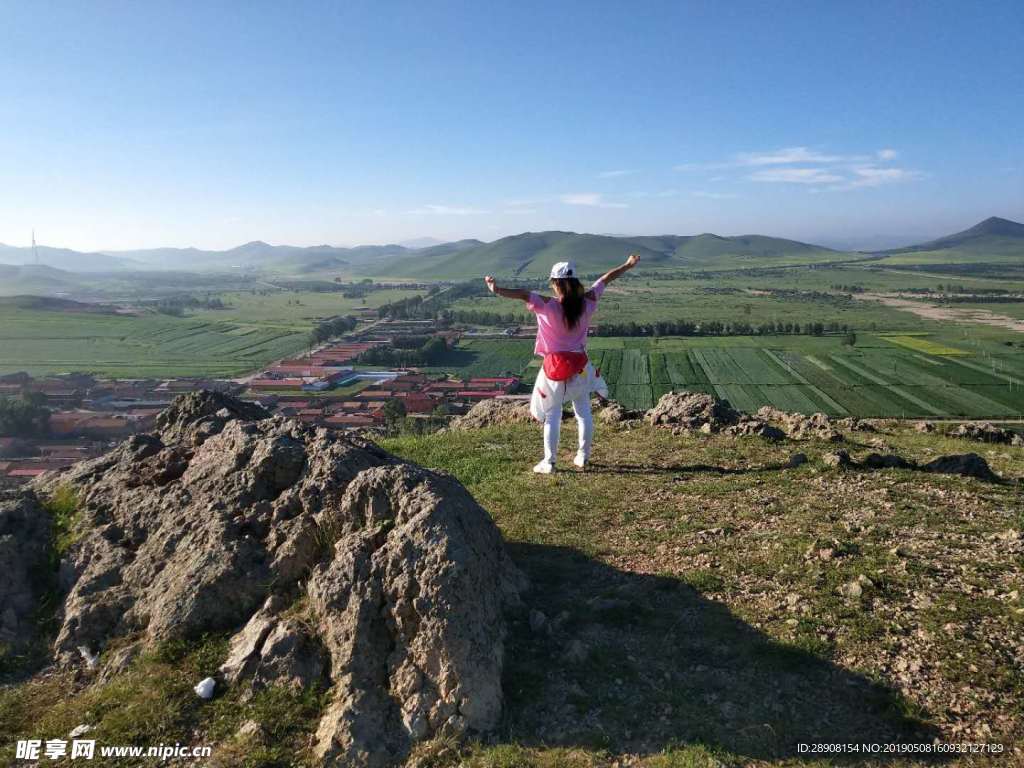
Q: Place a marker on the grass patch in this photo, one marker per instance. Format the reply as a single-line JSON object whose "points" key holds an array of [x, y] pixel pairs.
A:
{"points": [[63, 508], [152, 702]]}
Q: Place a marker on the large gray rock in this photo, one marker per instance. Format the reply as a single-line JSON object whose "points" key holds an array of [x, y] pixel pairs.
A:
{"points": [[817, 426], [985, 432], [966, 464], [493, 412], [25, 540], [615, 413], [748, 427], [692, 410], [335, 562]]}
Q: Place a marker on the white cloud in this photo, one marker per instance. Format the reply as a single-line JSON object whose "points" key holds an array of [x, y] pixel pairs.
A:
{"points": [[446, 210], [787, 156], [591, 199], [796, 176], [870, 176], [714, 195], [527, 202], [661, 193], [614, 174], [793, 156], [684, 167]]}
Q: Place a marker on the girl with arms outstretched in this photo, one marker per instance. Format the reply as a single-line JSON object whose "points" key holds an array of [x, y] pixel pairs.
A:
{"points": [[562, 324]]}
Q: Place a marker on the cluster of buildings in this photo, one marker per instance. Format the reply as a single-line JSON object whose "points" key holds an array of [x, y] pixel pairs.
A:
{"points": [[324, 369], [22, 460], [420, 394], [88, 415]]}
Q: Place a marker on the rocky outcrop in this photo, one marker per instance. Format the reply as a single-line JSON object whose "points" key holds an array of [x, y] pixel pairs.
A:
{"points": [[797, 426], [692, 410], [985, 432], [748, 427], [615, 413], [964, 464], [25, 541], [489, 413], [333, 561], [854, 424]]}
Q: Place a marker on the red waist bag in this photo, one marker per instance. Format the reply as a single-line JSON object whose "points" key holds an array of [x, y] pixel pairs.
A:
{"points": [[560, 366]]}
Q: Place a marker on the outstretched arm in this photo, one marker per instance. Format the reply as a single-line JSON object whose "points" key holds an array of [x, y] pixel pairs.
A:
{"points": [[508, 293], [620, 270]]}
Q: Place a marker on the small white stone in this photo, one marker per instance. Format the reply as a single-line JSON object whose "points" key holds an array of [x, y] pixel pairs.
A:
{"points": [[204, 688]]}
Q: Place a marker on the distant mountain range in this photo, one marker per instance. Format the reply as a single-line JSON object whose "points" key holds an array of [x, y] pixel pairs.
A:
{"points": [[528, 254], [994, 236], [63, 258]]}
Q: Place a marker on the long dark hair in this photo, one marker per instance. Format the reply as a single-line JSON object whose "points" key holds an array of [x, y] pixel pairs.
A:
{"points": [[571, 295]]}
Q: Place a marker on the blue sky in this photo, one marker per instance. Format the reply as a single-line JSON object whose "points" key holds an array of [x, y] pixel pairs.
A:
{"points": [[203, 123]]}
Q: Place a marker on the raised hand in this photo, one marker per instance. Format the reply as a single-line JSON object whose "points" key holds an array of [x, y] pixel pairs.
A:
{"points": [[490, 283], [633, 260]]}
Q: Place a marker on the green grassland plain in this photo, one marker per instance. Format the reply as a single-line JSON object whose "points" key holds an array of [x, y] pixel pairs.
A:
{"points": [[902, 365], [254, 330]]}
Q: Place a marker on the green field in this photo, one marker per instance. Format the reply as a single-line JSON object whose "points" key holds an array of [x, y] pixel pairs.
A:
{"points": [[777, 300], [918, 377], [255, 330], [138, 347]]}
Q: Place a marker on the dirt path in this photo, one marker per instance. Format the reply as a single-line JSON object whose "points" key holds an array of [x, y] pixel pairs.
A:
{"points": [[936, 312]]}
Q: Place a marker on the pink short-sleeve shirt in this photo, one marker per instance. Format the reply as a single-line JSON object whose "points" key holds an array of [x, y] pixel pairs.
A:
{"points": [[552, 333]]}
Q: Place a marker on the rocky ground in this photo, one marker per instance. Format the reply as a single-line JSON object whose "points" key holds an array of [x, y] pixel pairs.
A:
{"points": [[749, 592], [716, 589], [328, 562]]}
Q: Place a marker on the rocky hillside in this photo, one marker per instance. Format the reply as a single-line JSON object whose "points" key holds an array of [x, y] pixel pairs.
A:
{"points": [[716, 589], [329, 562]]}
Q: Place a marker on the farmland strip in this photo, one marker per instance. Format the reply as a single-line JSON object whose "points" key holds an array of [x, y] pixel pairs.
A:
{"points": [[839, 409], [891, 387], [983, 369]]}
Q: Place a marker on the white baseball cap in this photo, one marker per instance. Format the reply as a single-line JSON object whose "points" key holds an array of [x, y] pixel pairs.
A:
{"points": [[563, 269]]}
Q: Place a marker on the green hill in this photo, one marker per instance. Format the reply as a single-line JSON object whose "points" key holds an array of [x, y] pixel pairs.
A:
{"points": [[713, 252], [51, 304], [64, 259], [263, 256], [992, 241], [33, 278], [531, 254]]}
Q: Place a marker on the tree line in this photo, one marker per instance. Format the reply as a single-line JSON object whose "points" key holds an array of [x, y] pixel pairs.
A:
{"points": [[21, 417], [430, 306], [717, 328], [432, 351], [176, 305], [328, 329]]}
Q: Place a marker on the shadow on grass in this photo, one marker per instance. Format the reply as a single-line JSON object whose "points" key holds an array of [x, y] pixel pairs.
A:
{"points": [[682, 469], [636, 664]]}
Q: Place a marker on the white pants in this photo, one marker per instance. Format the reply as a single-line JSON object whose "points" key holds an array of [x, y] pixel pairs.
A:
{"points": [[553, 423]]}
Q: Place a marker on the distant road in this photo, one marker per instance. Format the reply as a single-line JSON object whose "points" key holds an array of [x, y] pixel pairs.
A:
{"points": [[249, 377], [936, 312]]}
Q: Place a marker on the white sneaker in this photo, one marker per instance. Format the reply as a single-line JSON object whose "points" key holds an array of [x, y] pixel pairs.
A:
{"points": [[544, 467], [580, 460]]}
